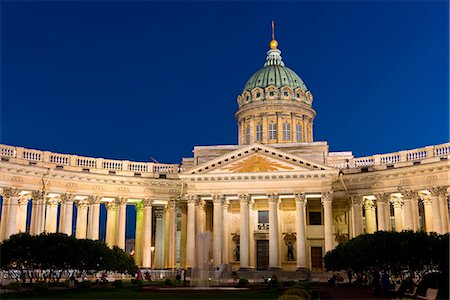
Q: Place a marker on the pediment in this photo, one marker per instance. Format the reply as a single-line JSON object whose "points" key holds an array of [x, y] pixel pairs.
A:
{"points": [[256, 159]]}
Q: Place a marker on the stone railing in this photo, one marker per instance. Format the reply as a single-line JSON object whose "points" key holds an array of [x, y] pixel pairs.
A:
{"points": [[67, 161], [414, 155]]}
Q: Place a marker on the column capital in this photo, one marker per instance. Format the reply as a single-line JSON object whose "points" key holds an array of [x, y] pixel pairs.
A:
{"points": [[191, 199], [10, 192], [437, 191], [396, 201], [355, 199], [146, 202], [111, 205], [122, 200], [244, 198], [300, 197], [38, 195], [65, 198], [53, 201], [82, 203], [218, 199], [368, 204], [426, 199], [327, 197], [171, 204], [408, 194], [273, 198], [225, 203], [382, 197], [94, 199], [23, 199]]}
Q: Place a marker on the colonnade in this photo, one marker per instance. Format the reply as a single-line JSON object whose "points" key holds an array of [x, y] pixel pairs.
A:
{"points": [[406, 216], [247, 213], [54, 213]]}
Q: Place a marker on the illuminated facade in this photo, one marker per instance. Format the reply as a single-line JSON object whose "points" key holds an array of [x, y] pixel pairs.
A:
{"points": [[277, 200]]}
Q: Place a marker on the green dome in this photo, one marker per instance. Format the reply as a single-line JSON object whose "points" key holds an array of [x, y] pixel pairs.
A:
{"points": [[275, 75]]}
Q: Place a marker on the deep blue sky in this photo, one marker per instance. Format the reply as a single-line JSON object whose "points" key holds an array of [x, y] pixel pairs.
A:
{"points": [[130, 80]]}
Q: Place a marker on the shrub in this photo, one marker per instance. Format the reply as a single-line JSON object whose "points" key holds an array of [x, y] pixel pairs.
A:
{"points": [[243, 282], [300, 292], [168, 282], [15, 286], [40, 286], [288, 283], [138, 282], [118, 284]]}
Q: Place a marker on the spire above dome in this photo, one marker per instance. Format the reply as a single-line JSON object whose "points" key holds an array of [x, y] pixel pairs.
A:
{"points": [[274, 54]]}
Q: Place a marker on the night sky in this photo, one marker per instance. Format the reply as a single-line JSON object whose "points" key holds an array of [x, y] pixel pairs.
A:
{"points": [[134, 80]]}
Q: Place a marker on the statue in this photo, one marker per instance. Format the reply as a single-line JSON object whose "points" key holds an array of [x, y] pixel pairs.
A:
{"points": [[290, 251]]}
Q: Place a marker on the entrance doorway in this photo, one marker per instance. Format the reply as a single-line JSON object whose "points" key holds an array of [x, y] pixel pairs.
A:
{"points": [[316, 259], [262, 254]]}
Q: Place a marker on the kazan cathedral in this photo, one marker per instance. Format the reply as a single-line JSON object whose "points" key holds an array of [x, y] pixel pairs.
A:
{"points": [[278, 200]]}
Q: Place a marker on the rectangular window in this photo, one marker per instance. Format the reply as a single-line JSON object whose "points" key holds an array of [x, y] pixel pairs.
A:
{"points": [[259, 132], [263, 220], [315, 218], [247, 135], [286, 131], [298, 133], [272, 131]]}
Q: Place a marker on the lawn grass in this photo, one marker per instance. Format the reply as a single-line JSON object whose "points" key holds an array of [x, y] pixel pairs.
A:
{"points": [[134, 293]]}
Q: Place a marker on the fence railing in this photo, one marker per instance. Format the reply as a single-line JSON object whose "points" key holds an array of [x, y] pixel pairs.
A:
{"points": [[442, 150], [59, 159]]}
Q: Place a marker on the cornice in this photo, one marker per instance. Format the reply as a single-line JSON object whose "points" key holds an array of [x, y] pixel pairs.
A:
{"points": [[73, 176]]}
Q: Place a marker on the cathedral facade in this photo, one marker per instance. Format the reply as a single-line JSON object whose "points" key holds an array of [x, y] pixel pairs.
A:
{"points": [[276, 201]]}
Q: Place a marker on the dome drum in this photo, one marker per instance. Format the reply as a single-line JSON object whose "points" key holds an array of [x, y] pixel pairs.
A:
{"points": [[297, 95]]}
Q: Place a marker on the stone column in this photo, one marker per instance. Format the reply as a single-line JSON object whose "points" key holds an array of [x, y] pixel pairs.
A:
{"points": [[111, 222], [138, 238], [22, 215], [300, 226], [11, 208], [147, 234], [159, 241], [371, 222], [217, 230], [66, 214], [443, 205], [356, 214], [428, 211], [252, 220], [200, 216], [190, 240], [273, 200], [37, 215], [252, 130], [408, 200], [94, 217], [225, 236], [244, 231], [172, 233], [81, 230], [437, 218], [51, 217], [121, 222], [327, 200], [5, 210], [265, 127], [279, 127], [381, 203], [397, 202]]}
